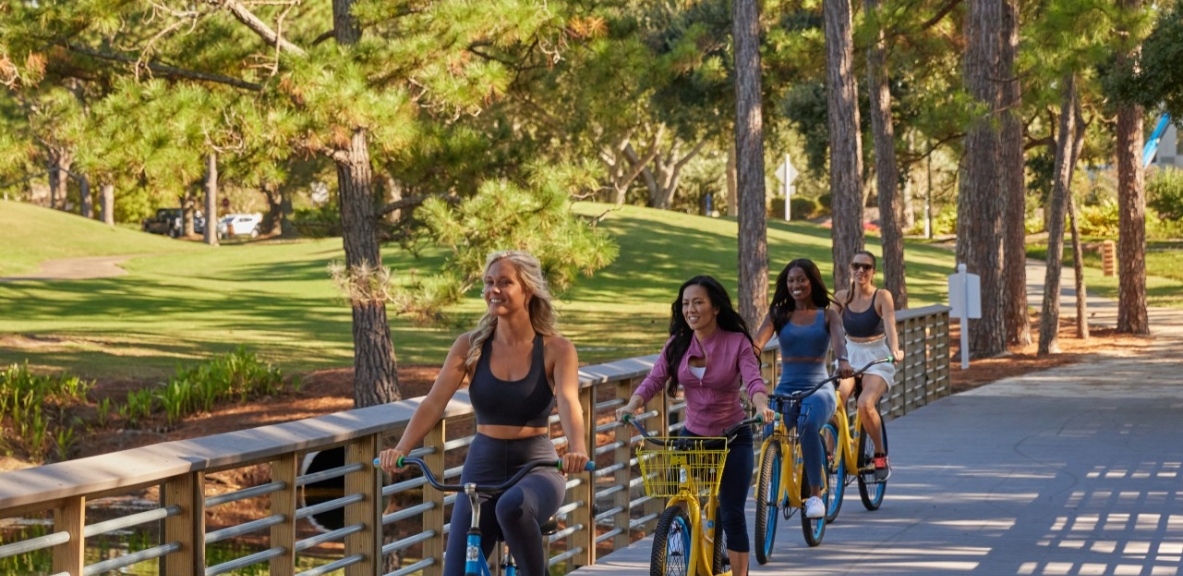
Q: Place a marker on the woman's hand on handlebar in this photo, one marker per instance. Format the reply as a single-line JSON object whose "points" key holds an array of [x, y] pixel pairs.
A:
{"points": [[762, 409], [388, 460], [629, 409], [844, 369], [574, 462]]}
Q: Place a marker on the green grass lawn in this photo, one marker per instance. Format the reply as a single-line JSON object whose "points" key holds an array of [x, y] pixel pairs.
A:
{"points": [[30, 235], [1164, 268], [183, 302]]}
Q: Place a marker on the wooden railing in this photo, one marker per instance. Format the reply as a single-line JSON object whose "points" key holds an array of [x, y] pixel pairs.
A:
{"points": [[415, 530]]}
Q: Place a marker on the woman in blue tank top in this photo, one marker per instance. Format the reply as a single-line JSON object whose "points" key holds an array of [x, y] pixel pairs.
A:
{"points": [[518, 368], [806, 327]]}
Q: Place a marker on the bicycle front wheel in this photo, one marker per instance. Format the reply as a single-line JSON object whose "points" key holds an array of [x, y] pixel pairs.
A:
{"points": [[835, 471], [870, 490], [671, 544], [814, 529], [720, 564], [767, 501]]}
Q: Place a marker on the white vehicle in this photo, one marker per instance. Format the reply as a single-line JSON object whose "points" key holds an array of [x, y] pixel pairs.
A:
{"points": [[239, 225]]}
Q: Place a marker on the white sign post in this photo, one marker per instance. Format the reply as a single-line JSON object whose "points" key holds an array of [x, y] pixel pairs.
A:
{"points": [[787, 174], [965, 299]]}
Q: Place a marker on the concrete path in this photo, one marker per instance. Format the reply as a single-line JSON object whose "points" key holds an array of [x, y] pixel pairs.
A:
{"points": [[77, 269], [1075, 470]]}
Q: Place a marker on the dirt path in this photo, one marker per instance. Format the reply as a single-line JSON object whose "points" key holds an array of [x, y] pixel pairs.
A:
{"points": [[77, 269]]}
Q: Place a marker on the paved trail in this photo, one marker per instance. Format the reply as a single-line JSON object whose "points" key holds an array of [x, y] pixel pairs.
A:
{"points": [[1074, 470]]}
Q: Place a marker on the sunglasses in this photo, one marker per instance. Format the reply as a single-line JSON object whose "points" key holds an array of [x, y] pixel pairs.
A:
{"points": [[856, 266]]}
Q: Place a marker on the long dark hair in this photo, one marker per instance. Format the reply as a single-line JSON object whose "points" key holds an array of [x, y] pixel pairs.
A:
{"points": [[728, 319], [850, 291], [781, 309]]}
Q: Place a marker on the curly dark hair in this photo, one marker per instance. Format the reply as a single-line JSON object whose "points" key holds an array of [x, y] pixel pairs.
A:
{"points": [[781, 309], [728, 319]]}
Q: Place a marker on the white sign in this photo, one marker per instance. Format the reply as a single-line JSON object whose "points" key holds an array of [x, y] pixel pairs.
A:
{"points": [[785, 172], [965, 299]]}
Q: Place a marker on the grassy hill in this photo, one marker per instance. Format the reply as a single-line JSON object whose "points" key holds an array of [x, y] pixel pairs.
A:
{"points": [[32, 234], [182, 302]]}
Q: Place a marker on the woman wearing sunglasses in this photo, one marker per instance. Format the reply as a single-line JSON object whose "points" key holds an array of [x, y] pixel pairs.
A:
{"points": [[868, 315]]}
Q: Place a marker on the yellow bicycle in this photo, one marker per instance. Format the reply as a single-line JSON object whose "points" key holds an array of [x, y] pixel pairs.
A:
{"points": [[848, 448], [687, 470], [782, 486]]}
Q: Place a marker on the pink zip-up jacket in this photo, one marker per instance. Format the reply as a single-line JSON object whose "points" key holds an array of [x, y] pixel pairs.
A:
{"points": [[712, 402]]}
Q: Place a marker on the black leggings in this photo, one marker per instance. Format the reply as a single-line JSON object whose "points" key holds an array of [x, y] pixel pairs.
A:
{"points": [[733, 489], [516, 514]]}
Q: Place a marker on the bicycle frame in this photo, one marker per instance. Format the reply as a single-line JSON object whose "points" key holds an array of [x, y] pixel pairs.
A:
{"points": [[792, 464], [475, 563], [849, 432], [702, 520]]}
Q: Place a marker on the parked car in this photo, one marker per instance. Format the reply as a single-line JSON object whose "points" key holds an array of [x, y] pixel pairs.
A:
{"points": [[171, 221], [239, 225]]}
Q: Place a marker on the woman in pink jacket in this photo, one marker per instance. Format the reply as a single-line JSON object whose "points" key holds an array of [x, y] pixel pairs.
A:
{"points": [[709, 354]]}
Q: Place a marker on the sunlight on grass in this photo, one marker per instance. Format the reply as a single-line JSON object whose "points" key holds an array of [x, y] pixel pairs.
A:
{"points": [[186, 302]]}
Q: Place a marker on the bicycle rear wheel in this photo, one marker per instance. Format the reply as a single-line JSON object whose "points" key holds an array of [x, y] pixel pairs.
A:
{"points": [[767, 503], [835, 471], [869, 490], [814, 529], [671, 544]]}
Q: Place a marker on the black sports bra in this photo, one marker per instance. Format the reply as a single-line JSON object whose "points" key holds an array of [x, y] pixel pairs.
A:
{"points": [[525, 402], [863, 324]]}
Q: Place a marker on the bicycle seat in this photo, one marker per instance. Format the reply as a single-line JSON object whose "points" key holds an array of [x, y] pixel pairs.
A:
{"points": [[550, 526]]}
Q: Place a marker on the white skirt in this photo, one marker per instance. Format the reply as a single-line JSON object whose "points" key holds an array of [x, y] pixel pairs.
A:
{"points": [[863, 353]]}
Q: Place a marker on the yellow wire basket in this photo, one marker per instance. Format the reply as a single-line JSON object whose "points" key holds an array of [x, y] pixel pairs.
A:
{"points": [[692, 466]]}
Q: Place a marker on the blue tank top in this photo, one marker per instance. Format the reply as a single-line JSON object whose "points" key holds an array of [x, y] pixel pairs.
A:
{"points": [[809, 341], [525, 402], [863, 324]]}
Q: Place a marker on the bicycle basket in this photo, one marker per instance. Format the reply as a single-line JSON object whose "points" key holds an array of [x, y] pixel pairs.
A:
{"points": [[693, 464]]}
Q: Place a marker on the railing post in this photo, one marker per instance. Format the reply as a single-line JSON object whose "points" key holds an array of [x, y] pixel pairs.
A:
{"points": [[188, 528], [70, 557], [622, 499], [661, 403], [285, 470], [586, 491], [434, 518], [367, 512]]}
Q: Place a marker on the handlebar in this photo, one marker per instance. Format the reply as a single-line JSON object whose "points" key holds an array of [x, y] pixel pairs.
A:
{"points": [[729, 433], [799, 394], [488, 489]]}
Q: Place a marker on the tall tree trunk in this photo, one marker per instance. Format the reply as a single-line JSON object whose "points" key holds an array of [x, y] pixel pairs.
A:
{"points": [[1132, 316], [107, 202], [285, 207], [979, 217], [187, 207], [1082, 313], [1014, 189], [1049, 319], [886, 172], [211, 199], [60, 162], [846, 163], [749, 173], [375, 377], [84, 199], [732, 196]]}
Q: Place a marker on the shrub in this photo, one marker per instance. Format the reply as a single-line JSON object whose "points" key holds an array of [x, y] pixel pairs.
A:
{"points": [[1098, 220], [1164, 193], [34, 410], [238, 376], [801, 208]]}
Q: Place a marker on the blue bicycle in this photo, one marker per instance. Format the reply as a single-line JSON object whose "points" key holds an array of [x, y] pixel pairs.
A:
{"points": [[475, 563]]}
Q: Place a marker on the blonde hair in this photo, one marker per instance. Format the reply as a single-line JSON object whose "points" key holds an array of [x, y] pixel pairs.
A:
{"points": [[542, 312]]}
